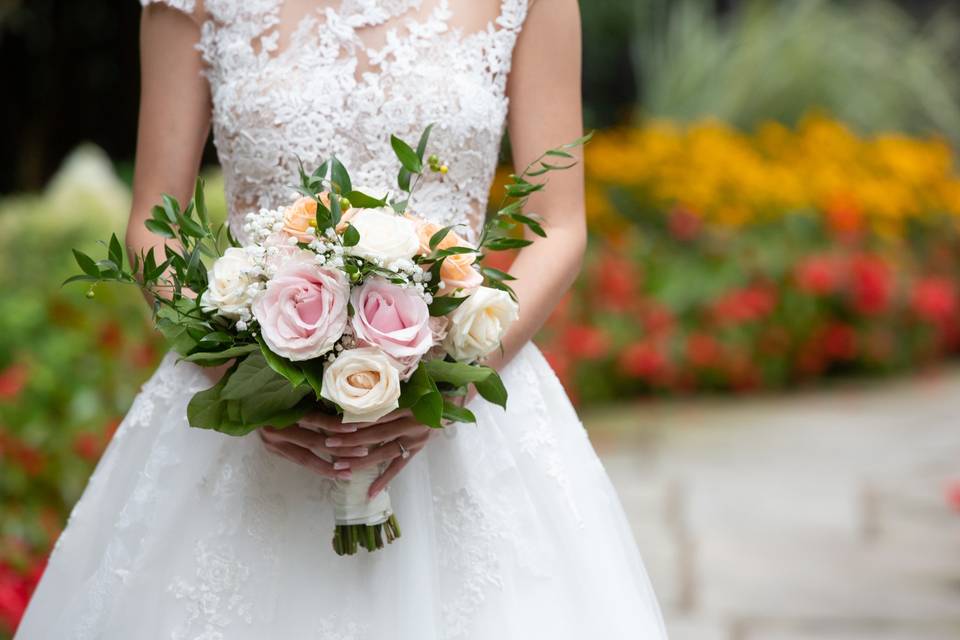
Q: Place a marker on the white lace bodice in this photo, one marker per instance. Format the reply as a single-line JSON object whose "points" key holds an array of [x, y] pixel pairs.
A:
{"points": [[308, 78]]}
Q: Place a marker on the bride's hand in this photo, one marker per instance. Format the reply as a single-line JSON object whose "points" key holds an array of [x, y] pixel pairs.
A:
{"points": [[350, 446], [394, 439]]}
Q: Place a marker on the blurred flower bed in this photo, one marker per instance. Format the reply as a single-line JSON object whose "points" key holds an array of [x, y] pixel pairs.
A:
{"points": [[69, 367], [724, 261], [718, 261]]}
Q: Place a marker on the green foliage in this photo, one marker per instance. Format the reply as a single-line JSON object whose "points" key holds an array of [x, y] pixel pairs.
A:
{"points": [[868, 63]]}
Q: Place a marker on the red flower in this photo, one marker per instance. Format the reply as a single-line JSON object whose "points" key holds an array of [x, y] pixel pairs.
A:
{"points": [[111, 337], [88, 446], [644, 360], [703, 350], [953, 495], [616, 280], [840, 342], [745, 305], [13, 379], [584, 341], [656, 318], [817, 275], [872, 284], [15, 592], [144, 356], [684, 224], [844, 215], [934, 299]]}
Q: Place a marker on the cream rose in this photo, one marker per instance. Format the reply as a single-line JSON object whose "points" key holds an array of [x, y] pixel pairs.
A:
{"points": [[232, 283], [364, 382], [478, 325], [384, 236]]}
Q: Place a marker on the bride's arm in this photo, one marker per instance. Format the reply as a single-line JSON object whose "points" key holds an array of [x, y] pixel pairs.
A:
{"points": [[174, 117], [545, 112]]}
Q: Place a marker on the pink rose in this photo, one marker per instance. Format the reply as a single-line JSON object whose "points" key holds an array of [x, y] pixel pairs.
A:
{"points": [[303, 310], [394, 319]]}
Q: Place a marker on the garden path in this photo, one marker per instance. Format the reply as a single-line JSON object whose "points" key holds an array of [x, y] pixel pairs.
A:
{"points": [[821, 515]]}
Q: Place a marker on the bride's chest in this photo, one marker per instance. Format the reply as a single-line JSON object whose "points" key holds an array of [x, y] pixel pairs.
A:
{"points": [[321, 80]]}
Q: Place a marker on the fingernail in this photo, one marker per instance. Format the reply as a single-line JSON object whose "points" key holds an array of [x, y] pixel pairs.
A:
{"points": [[348, 428], [362, 451], [344, 475], [333, 442], [339, 466]]}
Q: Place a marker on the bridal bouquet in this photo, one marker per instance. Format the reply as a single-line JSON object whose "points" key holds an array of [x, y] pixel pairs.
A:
{"points": [[342, 302]]}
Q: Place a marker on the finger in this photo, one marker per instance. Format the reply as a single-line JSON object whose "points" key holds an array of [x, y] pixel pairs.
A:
{"points": [[388, 474], [307, 459], [311, 440], [326, 422], [376, 434], [384, 453]]}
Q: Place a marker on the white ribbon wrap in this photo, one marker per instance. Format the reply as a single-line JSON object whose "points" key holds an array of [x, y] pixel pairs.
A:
{"points": [[351, 504]]}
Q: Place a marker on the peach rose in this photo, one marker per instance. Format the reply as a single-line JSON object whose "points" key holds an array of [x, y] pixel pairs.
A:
{"points": [[300, 219], [457, 271]]}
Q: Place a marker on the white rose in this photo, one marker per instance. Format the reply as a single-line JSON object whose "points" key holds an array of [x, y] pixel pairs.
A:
{"points": [[232, 283], [385, 237], [364, 382], [478, 325]]}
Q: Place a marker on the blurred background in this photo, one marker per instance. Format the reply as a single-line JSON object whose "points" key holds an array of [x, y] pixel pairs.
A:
{"points": [[763, 344]]}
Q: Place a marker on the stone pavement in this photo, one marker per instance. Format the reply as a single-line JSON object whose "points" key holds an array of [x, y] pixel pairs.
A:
{"points": [[821, 515]]}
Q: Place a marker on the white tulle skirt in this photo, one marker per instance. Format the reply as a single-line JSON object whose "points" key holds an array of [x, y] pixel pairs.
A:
{"points": [[511, 529]]}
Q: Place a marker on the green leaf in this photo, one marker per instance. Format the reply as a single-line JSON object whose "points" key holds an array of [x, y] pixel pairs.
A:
{"points": [[339, 177], [456, 413], [503, 244], [321, 171], [400, 206], [313, 373], [216, 337], [492, 389], [351, 237], [160, 228], [226, 354], [442, 305], [429, 409], [86, 264], [115, 250], [80, 278], [171, 208], [207, 409], [415, 388], [531, 222], [324, 217], [496, 274], [403, 181], [335, 211], [582, 140], [523, 189], [559, 154], [200, 201], [176, 335], [459, 374], [407, 156], [281, 365], [438, 237], [422, 144], [363, 201]]}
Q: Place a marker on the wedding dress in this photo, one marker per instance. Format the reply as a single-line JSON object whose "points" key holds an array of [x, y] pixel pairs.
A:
{"points": [[511, 528]]}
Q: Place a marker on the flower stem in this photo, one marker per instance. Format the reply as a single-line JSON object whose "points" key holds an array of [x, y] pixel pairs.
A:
{"points": [[348, 538]]}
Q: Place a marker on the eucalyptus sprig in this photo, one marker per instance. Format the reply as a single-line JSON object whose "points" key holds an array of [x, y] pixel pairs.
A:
{"points": [[171, 280], [497, 232]]}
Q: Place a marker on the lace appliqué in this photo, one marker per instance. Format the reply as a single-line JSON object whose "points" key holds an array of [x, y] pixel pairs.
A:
{"points": [[308, 99], [214, 600]]}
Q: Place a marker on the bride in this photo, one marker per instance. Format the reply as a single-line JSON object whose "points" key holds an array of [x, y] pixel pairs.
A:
{"points": [[511, 528]]}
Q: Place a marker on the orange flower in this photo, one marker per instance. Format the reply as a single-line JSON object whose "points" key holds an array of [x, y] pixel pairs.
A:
{"points": [[457, 271]]}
